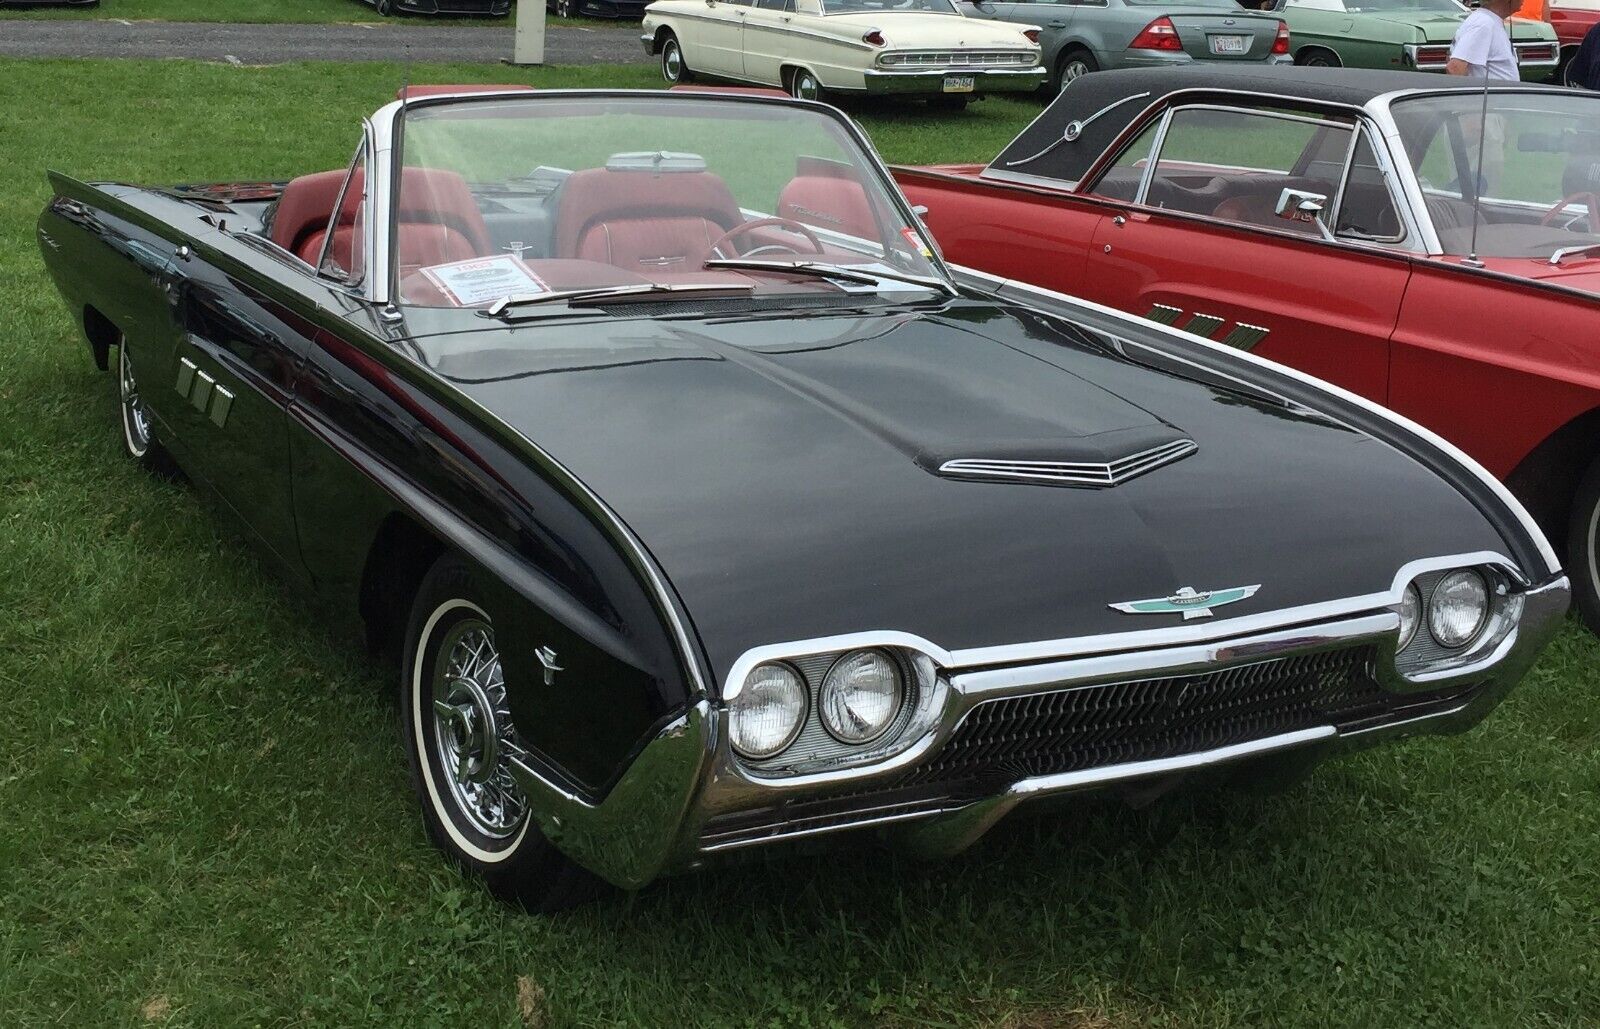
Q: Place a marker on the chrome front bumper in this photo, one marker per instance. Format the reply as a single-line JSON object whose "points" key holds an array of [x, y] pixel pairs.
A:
{"points": [[931, 83], [686, 798]]}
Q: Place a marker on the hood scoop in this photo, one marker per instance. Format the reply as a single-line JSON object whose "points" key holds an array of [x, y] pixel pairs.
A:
{"points": [[1093, 462]]}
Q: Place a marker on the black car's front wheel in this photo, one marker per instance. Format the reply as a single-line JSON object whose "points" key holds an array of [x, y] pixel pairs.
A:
{"points": [[138, 431], [457, 727], [1583, 547]]}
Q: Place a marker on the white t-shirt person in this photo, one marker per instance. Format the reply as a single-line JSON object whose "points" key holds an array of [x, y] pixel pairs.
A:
{"points": [[1483, 44]]}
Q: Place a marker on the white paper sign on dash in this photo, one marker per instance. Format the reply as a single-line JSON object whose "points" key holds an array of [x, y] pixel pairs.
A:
{"points": [[483, 280]]}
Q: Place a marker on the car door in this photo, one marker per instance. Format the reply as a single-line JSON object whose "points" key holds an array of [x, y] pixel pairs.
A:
{"points": [[1202, 245], [768, 36], [716, 43]]}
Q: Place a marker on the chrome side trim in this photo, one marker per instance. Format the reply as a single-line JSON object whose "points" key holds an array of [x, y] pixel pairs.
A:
{"points": [[1542, 545]]}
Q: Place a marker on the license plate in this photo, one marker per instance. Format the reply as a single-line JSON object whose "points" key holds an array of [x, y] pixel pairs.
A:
{"points": [[1228, 44], [958, 83]]}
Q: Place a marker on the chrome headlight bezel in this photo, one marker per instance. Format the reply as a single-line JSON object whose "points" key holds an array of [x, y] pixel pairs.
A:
{"points": [[818, 747], [1422, 657]]}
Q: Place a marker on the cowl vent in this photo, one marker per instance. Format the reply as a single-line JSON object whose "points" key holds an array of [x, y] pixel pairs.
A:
{"points": [[1091, 474]]}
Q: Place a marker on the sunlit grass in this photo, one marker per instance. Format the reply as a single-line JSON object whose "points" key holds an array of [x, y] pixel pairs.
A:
{"points": [[207, 821]]}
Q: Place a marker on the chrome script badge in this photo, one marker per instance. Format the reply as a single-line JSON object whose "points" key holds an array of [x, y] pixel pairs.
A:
{"points": [[1187, 601]]}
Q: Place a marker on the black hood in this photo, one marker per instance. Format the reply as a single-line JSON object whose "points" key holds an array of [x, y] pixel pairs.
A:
{"points": [[785, 472]]}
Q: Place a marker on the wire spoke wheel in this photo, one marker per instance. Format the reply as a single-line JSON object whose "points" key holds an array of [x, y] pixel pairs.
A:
{"points": [[135, 417], [473, 733]]}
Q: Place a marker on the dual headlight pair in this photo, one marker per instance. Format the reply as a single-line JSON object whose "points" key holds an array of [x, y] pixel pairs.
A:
{"points": [[1457, 610], [861, 696]]}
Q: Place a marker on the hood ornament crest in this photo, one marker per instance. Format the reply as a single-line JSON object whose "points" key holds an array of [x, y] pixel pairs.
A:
{"points": [[1189, 602]]}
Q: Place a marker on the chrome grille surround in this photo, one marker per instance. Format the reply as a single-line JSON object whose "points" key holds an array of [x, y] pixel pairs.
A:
{"points": [[1071, 473]]}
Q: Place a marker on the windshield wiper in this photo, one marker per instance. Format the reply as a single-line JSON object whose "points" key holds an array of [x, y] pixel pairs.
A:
{"points": [[501, 307], [1556, 257], [831, 271]]}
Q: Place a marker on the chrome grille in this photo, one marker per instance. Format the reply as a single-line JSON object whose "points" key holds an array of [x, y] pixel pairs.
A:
{"points": [[960, 59], [1070, 473], [1096, 726]]}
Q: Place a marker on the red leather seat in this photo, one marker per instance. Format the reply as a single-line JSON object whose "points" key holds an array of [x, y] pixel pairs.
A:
{"points": [[437, 221], [643, 221], [829, 202]]}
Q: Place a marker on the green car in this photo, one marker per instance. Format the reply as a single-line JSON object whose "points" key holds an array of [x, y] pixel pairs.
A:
{"points": [[1399, 34]]}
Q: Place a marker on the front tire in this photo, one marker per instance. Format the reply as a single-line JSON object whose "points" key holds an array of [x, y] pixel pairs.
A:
{"points": [[138, 430], [1583, 547], [385, 7], [456, 727], [673, 67], [566, 9], [1312, 57]]}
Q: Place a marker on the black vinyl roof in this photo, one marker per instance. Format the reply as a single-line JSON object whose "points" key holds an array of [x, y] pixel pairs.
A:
{"points": [[1040, 149]]}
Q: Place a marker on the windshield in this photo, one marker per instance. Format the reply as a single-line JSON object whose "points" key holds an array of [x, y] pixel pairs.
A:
{"points": [[1380, 6], [1534, 191], [569, 198], [888, 7]]}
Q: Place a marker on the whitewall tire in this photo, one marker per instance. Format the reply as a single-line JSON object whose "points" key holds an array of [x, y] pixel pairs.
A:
{"points": [[457, 728]]}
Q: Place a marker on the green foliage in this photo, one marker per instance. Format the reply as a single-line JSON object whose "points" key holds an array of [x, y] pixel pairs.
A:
{"points": [[207, 820]]}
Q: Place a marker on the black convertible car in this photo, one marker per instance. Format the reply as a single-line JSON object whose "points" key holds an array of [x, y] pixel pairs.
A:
{"points": [[706, 508]]}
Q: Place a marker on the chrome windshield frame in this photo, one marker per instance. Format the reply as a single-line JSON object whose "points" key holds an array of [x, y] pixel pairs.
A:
{"points": [[387, 160]]}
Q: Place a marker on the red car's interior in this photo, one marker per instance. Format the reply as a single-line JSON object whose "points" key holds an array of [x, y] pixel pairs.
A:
{"points": [[652, 225]]}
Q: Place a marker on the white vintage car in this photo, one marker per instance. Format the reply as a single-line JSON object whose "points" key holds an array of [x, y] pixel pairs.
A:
{"points": [[811, 48]]}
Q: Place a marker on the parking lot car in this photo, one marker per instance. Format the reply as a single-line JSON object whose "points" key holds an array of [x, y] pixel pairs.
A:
{"points": [[1400, 34], [1078, 38], [1571, 20], [813, 48], [597, 8], [706, 510], [390, 7], [1335, 221]]}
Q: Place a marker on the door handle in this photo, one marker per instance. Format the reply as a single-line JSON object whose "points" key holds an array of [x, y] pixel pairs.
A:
{"points": [[1058, 24], [1120, 220], [183, 253]]}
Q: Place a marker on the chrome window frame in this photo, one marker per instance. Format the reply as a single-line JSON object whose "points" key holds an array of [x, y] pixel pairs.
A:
{"points": [[356, 286], [1385, 169], [1172, 113]]}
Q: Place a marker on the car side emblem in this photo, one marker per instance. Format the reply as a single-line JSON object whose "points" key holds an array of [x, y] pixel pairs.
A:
{"points": [[1191, 603], [547, 657], [1227, 21]]}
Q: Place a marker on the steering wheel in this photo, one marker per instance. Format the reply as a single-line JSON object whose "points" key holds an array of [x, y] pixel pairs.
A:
{"points": [[763, 223], [1590, 200]]}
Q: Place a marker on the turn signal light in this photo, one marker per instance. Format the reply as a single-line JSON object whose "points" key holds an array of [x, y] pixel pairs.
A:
{"points": [[1280, 45], [1160, 34], [1032, 34], [873, 37]]}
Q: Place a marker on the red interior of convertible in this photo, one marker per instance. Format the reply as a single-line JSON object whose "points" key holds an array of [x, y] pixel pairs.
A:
{"points": [[610, 227]]}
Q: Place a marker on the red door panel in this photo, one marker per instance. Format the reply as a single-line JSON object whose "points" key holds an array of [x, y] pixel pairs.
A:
{"points": [[1493, 367], [1317, 307], [1036, 238]]}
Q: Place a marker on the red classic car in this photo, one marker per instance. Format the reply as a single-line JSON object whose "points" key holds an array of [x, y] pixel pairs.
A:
{"points": [[1572, 20], [1428, 245]]}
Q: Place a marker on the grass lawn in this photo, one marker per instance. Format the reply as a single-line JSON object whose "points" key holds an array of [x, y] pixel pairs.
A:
{"points": [[259, 11], [207, 821]]}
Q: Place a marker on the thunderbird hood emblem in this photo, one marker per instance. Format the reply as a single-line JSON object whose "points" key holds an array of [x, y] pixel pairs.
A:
{"points": [[1189, 602]]}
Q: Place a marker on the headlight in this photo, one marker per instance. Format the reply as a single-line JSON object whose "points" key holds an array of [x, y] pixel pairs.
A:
{"points": [[1410, 615], [1458, 609], [861, 696], [767, 714]]}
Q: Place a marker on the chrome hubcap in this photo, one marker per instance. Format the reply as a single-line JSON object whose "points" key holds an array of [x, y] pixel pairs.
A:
{"points": [[672, 61], [135, 419], [473, 733], [806, 87], [1073, 70]]}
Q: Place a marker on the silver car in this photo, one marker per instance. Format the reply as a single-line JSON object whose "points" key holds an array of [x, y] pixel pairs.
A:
{"points": [[1087, 35]]}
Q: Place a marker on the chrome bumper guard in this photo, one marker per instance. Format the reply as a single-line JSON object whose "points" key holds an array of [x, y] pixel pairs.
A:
{"points": [[931, 83], [685, 798]]}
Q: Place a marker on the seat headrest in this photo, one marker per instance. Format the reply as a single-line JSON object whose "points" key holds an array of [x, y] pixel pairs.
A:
{"points": [[597, 195], [427, 196]]}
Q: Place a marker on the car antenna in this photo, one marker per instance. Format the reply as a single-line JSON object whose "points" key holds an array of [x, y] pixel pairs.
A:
{"points": [[1478, 177]]}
